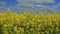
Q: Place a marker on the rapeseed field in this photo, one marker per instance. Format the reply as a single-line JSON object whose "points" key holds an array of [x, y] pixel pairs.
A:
{"points": [[29, 23]]}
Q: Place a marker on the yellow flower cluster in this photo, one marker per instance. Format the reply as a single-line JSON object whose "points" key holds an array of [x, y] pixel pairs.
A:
{"points": [[29, 23]]}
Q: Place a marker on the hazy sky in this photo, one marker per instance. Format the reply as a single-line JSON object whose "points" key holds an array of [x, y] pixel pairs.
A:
{"points": [[30, 3]]}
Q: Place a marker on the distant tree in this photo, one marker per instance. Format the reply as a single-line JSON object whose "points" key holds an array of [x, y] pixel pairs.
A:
{"points": [[8, 10]]}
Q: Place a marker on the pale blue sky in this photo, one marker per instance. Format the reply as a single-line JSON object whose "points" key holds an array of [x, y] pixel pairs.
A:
{"points": [[31, 4]]}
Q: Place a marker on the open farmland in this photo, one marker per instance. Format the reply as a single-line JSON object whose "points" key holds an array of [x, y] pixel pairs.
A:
{"points": [[29, 23]]}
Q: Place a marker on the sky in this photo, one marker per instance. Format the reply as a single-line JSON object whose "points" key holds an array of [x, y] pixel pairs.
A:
{"points": [[30, 4]]}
